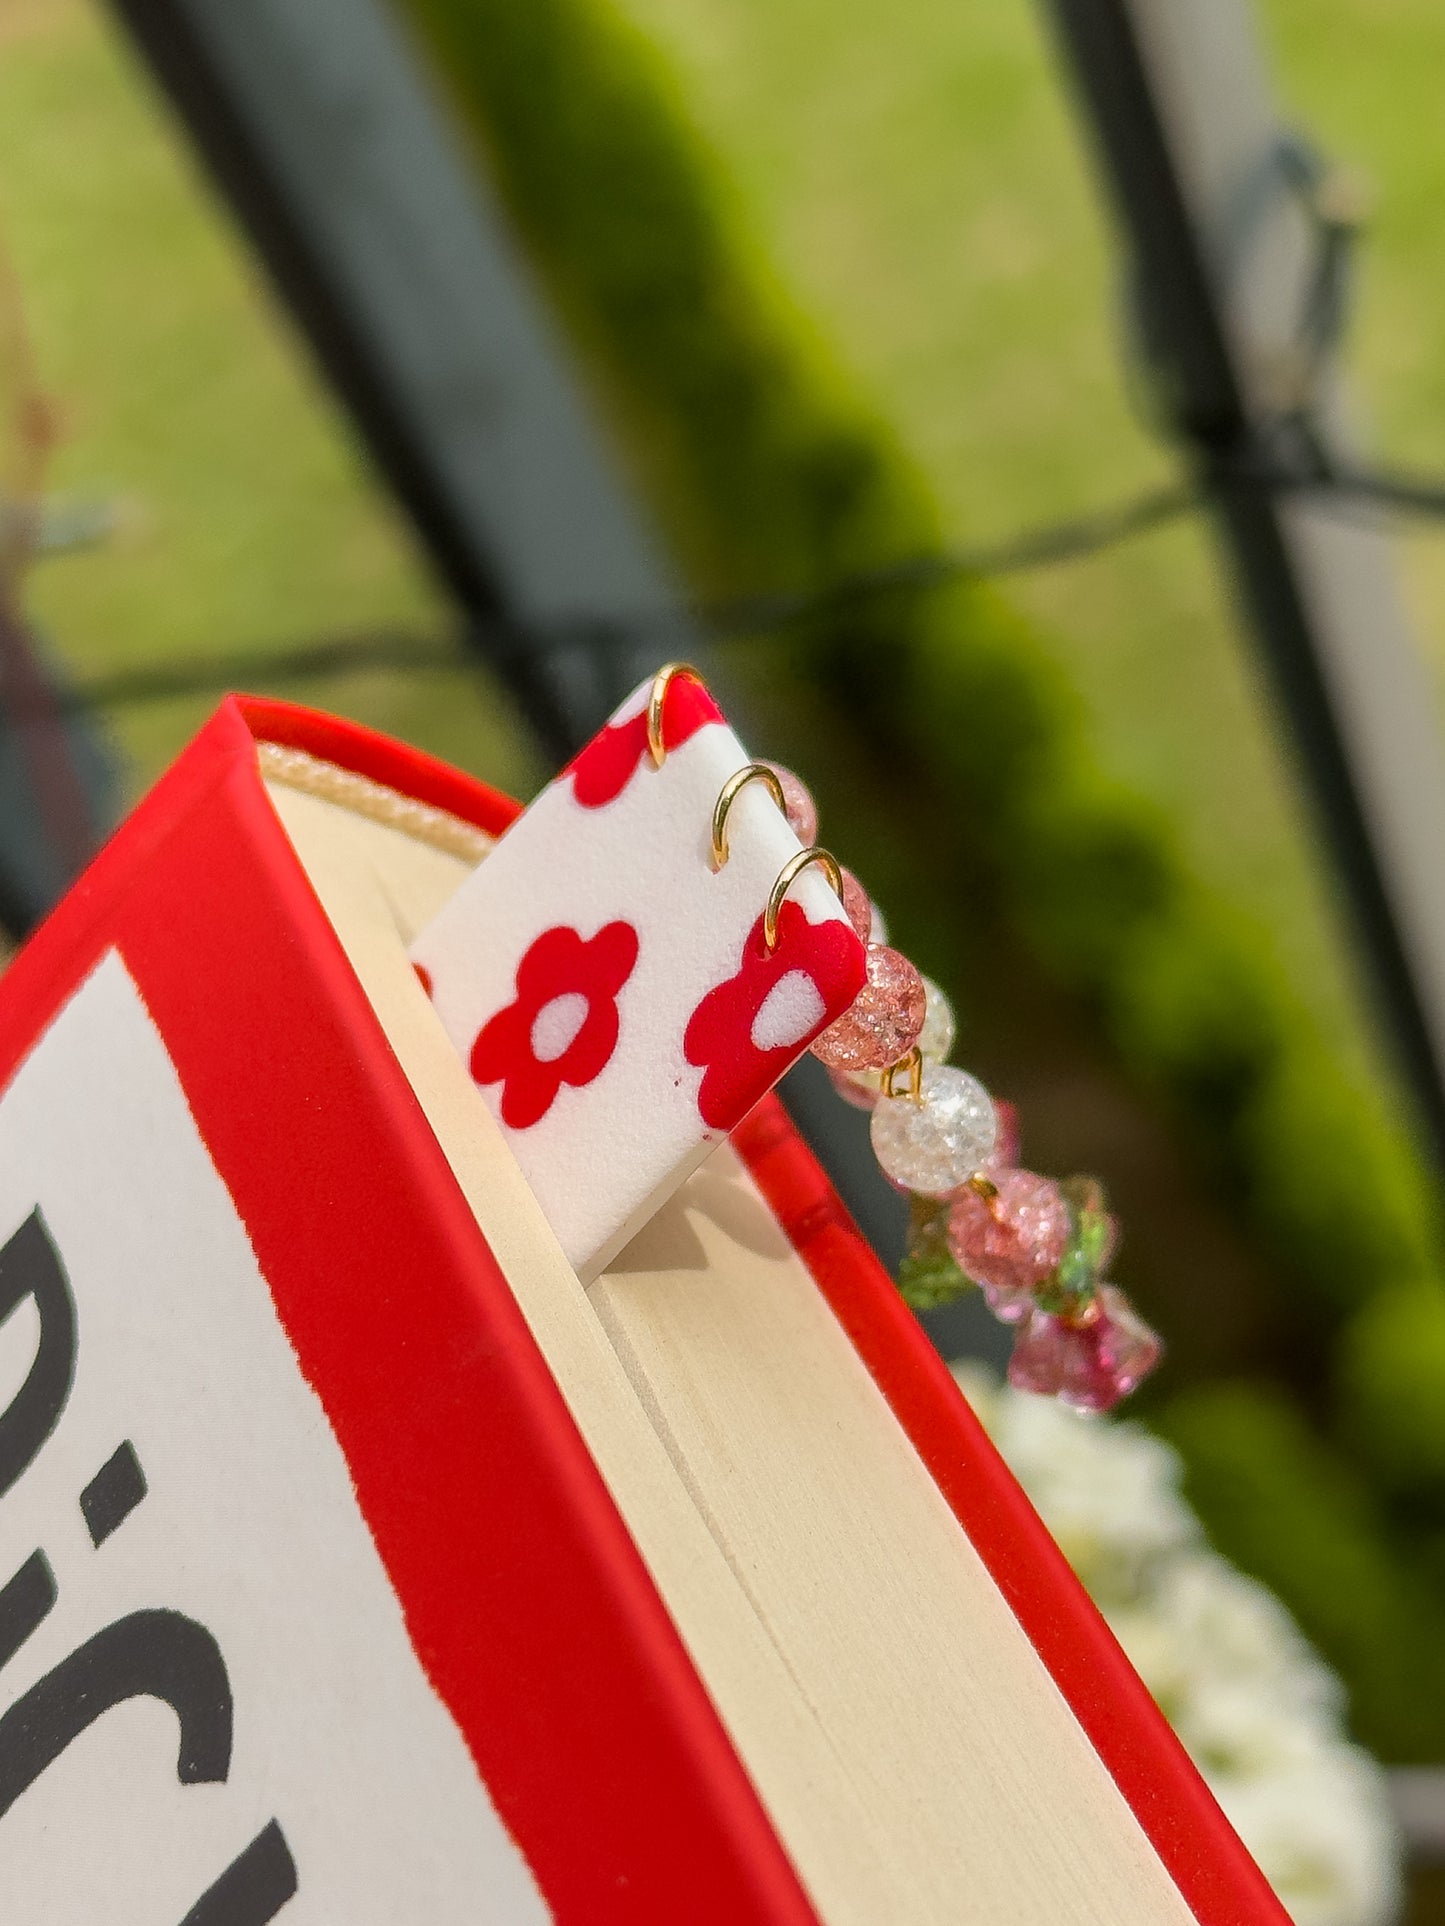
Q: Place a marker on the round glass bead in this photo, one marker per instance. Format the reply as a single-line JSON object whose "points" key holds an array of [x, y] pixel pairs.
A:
{"points": [[935, 1142], [1007, 1151], [858, 907], [1009, 1305], [866, 1086], [935, 1039], [861, 1088], [1008, 1242], [798, 805], [1093, 1236], [882, 1024], [927, 1274]]}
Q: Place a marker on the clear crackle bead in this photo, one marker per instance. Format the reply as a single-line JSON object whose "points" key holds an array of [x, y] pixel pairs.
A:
{"points": [[936, 1141], [1010, 1241], [861, 1088], [1091, 1363], [935, 1039], [882, 1024], [928, 1275]]}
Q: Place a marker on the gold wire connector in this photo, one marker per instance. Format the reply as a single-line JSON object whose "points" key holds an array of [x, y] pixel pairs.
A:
{"points": [[727, 795], [913, 1064], [657, 695], [787, 876], [983, 1187]]}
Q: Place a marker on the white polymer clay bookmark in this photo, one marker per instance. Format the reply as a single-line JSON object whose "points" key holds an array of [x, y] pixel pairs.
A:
{"points": [[637, 961]]}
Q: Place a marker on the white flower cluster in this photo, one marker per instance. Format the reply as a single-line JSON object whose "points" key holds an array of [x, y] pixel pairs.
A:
{"points": [[1258, 1712]]}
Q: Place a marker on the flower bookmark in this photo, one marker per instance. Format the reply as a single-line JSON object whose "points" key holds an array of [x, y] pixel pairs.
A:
{"points": [[637, 962]]}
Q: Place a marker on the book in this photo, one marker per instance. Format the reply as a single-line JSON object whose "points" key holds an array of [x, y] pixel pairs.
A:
{"points": [[357, 1563]]}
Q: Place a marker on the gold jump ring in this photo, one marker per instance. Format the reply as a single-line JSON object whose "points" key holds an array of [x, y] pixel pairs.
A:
{"points": [[787, 875], [657, 695], [913, 1064], [727, 795]]}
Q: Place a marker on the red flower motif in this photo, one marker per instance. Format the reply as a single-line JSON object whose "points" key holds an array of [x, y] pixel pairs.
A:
{"points": [[602, 770], [563, 1026], [746, 1031]]}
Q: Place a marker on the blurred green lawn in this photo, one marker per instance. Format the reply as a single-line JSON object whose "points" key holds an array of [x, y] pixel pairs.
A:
{"points": [[917, 180], [249, 519]]}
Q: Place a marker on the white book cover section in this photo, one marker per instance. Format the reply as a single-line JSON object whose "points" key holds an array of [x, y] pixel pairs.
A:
{"points": [[209, 1705], [611, 990]]}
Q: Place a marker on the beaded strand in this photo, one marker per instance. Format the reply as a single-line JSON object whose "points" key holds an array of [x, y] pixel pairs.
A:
{"points": [[1037, 1249]]}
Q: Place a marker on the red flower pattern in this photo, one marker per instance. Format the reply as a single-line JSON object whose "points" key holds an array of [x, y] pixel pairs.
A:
{"points": [[564, 1024], [602, 770], [722, 1034]]}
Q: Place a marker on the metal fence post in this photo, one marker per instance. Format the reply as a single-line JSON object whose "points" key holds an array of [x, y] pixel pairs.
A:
{"points": [[1224, 250]]}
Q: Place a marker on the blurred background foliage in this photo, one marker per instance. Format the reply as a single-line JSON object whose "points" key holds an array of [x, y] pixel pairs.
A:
{"points": [[841, 285], [246, 517]]}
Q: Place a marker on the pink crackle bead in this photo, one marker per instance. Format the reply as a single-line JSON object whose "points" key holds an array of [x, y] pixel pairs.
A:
{"points": [[1090, 1364], [1007, 1150], [1009, 1242], [798, 806], [885, 1019], [857, 906], [859, 1088]]}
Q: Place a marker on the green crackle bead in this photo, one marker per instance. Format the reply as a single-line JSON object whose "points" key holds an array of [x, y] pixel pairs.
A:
{"points": [[1074, 1282], [928, 1275]]}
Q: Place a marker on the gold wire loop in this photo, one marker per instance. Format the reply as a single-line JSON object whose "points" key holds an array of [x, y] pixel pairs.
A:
{"points": [[982, 1186], [913, 1064], [656, 696], [787, 876], [727, 795]]}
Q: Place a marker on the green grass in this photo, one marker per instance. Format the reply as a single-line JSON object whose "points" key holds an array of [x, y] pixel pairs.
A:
{"points": [[250, 519]]}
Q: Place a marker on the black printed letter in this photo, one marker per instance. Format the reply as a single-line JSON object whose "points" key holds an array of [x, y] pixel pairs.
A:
{"points": [[24, 1603], [253, 1888], [152, 1654], [30, 1266]]}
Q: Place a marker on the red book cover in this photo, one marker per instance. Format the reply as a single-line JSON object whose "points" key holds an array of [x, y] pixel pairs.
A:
{"points": [[314, 1601]]}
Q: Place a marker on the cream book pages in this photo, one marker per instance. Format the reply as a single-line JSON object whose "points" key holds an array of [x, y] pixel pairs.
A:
{"points": [[914, 1753]]}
